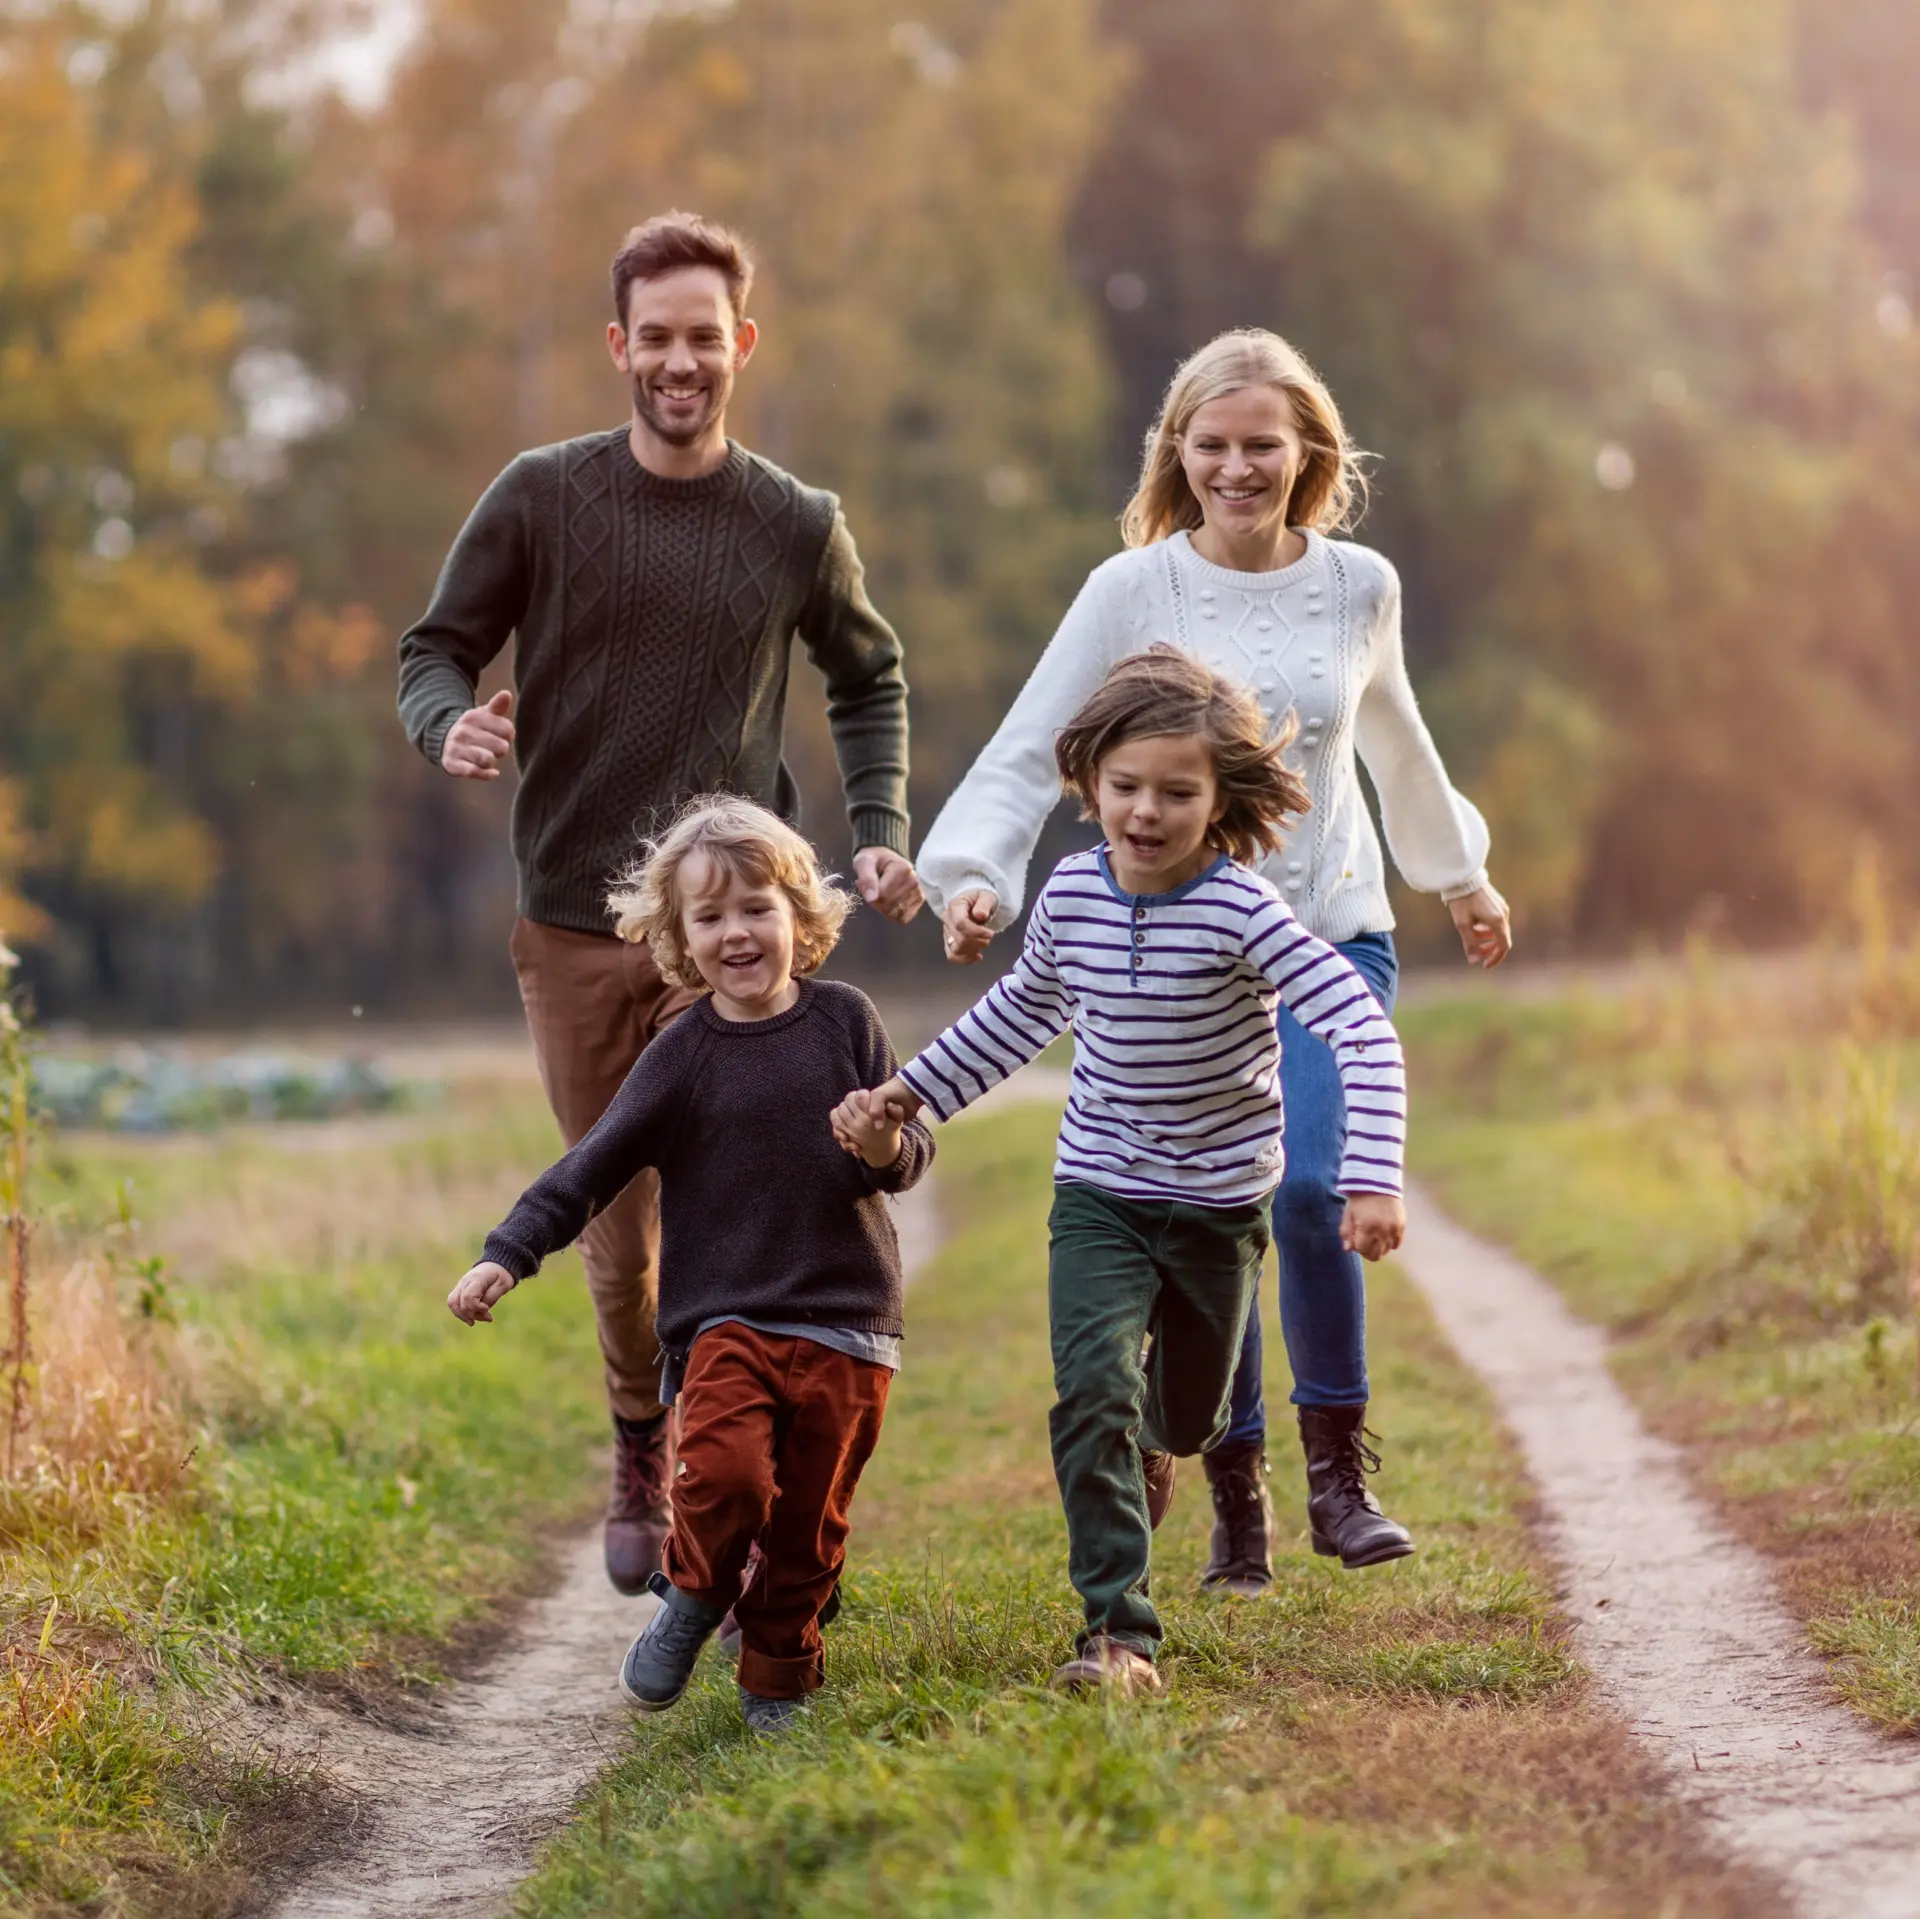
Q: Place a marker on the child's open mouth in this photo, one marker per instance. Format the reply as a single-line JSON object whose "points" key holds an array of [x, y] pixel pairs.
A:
{"points": [[742, 962]]}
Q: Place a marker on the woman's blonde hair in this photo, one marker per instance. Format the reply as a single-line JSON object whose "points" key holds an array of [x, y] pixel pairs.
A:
{"points": [[739, 838], [1165, 692], [1331, 491]]}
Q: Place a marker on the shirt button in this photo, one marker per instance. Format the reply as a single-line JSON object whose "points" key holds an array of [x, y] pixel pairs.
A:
{"points": [[1265, 626], [1206, 592], [1139, 939]]}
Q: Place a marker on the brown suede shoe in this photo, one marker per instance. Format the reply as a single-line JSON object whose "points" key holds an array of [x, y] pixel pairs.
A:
{"points": [[1157, 1469], [639, 1511], [1105, 1665]]}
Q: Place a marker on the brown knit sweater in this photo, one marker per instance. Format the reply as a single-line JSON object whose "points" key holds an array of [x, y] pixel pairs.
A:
{"points": [[655, 621]]}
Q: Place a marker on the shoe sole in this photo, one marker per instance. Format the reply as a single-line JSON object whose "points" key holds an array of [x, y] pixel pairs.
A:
{"points": [[650, 1705], [1236, 1588], [1328, 1550]]}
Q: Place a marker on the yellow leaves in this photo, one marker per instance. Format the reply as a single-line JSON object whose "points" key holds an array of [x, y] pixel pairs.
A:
{"points": [[332, 646], [156, 604], [130, 836], [20, 919]]}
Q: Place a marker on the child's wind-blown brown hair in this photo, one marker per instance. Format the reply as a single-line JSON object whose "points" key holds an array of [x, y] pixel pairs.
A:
{"points": [[739, 837], [1164, 691]]}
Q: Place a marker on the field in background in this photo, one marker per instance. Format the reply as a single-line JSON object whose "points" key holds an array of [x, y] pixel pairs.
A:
{"points": [[1719, 1163]]}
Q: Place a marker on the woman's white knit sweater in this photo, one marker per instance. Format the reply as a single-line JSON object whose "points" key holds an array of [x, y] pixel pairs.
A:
{"points": [[1320, 637]]}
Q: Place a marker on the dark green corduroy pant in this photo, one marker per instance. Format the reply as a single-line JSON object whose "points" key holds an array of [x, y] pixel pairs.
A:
{"points": [[1123, 1271]]}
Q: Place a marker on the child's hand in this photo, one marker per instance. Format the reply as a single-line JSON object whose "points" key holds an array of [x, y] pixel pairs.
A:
{"points": [[867, 1124], [1373, 1225], [479, 1292]]}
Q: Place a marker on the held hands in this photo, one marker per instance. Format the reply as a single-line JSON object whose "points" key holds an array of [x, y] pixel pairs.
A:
{"points": [[479, 740], [867, 1124], [968, 926], [479, 1292], [1484, 925], [888, 883], [1374, 1225]]}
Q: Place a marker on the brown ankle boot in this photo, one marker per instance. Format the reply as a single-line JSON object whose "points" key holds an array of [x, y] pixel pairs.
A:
{"points": [[1242, 1557], [639, 1511], [1346, 1518]]}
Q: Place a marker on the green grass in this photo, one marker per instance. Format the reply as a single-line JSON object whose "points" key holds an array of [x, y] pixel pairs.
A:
{"points": [[368, 1478], [1410, 1740], [1714, 1177]]}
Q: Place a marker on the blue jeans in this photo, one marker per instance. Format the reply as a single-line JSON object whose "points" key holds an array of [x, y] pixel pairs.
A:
{"points": [[1323, 1293]]}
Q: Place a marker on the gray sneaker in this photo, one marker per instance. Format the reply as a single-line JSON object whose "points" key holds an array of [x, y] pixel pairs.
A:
{"points": [[770, 1717], [660, 1662]]}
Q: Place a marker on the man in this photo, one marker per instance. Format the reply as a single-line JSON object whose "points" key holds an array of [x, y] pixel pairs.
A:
{"points": [[655, 576]]}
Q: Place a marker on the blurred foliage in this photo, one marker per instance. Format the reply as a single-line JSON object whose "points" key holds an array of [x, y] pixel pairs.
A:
{"points": [[1618, 292]]}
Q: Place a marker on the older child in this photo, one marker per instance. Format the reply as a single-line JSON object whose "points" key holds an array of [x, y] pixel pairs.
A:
{"points": [[1166, 956], [780, 1276]]}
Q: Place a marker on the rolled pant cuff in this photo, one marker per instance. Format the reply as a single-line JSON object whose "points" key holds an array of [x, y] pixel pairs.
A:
{"points": [[769, 1678]]}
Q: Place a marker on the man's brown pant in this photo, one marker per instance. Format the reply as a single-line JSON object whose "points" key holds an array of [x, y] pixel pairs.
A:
{"points": [[774, 1434], [593, 1002]]}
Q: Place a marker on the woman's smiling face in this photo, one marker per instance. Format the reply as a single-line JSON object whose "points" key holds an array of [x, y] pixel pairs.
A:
{"points": [[1242, 454]]}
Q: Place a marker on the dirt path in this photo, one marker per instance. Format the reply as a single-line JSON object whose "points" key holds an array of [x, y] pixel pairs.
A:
{"points": [[445, 1820], [1679, 1621]]}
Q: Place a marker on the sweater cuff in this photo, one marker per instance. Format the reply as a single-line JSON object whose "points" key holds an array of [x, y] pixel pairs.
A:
{"points": [[1466, 887], [516, 1259], [881, 826], [433, 741]]}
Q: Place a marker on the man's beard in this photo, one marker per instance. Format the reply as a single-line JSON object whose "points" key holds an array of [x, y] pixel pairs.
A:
{"points": [[719, 391]]}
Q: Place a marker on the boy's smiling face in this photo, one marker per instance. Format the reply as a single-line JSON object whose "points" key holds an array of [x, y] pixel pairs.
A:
{"points": [[739, 935], [1156, 798]]}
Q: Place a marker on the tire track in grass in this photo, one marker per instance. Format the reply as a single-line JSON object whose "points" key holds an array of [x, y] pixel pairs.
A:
{"points": [[442, 1820], [1678, 1620]]}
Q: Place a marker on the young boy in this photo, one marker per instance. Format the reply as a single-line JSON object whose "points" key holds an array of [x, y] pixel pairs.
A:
{"points": [[780, 1281], [1166, 956]]}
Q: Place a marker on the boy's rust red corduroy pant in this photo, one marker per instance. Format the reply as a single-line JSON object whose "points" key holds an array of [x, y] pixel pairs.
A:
{"points": [[774, 1434]]}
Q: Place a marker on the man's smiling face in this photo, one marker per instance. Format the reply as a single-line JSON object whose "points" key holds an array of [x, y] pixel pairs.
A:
{"points": [[681, 349]]}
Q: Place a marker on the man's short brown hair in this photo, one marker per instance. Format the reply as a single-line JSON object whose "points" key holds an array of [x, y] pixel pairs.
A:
{"points": [[670, 241]]}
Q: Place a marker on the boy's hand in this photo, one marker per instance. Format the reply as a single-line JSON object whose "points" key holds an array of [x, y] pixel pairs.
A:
{"points": [[1373, 1225], [479, 1292], [868, 1125]]}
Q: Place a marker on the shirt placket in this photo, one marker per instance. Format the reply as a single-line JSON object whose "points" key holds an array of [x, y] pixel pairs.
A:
{"points": [[1137, 944]]}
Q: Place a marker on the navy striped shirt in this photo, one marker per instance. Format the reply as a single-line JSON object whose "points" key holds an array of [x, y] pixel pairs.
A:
{"points": [[1176, 1071]]}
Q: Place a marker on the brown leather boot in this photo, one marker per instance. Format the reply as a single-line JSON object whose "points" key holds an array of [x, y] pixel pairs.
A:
{"points": [[639, 1510], [1346, 1518], [1157, 1469], [1105, 1665], [1242, 1557]]}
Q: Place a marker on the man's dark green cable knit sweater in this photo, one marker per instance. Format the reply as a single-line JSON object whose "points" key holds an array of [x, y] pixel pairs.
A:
{"points": [[655, 621]]}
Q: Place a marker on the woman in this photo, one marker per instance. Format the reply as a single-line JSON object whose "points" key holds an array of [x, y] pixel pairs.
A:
{"points": [[1247, 472]]}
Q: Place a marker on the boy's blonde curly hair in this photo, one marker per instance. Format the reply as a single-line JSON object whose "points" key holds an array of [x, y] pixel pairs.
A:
{"points": [[740, 838]]}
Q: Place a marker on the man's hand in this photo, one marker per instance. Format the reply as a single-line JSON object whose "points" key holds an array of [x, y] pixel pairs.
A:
{"points": [[1484, 925], [479, 740], [1373, 1225], [479, 1291], [888, 882], [968, 926]]}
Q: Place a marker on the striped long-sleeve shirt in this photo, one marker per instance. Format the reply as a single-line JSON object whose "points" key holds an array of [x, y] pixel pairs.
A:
{"points": [[1176, 1073]]}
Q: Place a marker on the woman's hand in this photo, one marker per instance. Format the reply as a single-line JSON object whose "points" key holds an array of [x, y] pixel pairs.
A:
{"points": [[1373, 1225], [479, 1291], [1485, 926], [968, 925]]}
